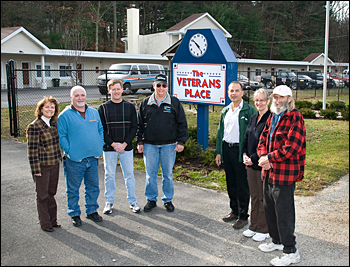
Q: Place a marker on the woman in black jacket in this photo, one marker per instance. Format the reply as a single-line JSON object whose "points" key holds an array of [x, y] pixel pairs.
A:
{"points": [[258, 227]]}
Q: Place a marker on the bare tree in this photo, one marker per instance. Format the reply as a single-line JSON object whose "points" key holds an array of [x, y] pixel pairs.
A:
{"points": [[75, 43]]}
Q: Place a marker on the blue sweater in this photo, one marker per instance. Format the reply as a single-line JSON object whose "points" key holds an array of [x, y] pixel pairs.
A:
{"points": [[80, 138]]}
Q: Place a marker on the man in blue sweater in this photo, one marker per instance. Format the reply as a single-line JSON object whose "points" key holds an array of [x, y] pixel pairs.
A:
{"points": [[81, 139]]}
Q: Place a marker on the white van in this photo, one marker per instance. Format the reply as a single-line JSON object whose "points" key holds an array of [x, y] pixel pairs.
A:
{"points": [[134, 76]]}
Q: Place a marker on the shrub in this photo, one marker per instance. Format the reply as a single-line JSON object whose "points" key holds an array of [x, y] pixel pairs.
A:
{"points": [[192, 150], [338, 105], [345, 114], [329, 114], [212, 140], [308, 113], [192, 132], [208, 157], [299, 104], [318, 105]]}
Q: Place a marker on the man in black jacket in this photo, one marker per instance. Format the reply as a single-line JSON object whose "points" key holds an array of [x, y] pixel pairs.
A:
{"points": [[119, 122], [162, 131]]}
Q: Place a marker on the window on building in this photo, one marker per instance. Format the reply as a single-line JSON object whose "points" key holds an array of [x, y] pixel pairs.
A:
{"points": [[48, 67], [64, 70], [258, 72], [294, 70]]}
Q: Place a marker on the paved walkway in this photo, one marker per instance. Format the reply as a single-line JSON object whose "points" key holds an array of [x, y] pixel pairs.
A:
{"points": [[192, 235]]}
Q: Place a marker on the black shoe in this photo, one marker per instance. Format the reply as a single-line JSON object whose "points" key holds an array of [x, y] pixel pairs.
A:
{"points": [[95, 217], [169, 206], [150, 205], [76, 221], [230, 217]]}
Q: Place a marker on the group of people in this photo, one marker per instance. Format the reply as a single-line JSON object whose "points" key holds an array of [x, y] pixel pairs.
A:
{"points": [[262, 151]]}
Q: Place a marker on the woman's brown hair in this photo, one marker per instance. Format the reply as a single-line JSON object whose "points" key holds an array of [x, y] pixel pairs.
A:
{"points": [[38, 111]]}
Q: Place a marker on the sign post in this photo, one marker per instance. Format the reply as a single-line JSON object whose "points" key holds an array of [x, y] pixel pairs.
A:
{"points": [[202, 68]]}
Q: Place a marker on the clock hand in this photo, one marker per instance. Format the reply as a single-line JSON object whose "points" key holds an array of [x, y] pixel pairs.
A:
{"points": [[197, 45]]}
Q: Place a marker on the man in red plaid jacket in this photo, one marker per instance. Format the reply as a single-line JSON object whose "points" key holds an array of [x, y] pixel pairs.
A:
{"points": [[282, 150]]}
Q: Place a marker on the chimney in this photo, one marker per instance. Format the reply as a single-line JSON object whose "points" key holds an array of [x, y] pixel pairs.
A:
{"points": [[133, 27]]}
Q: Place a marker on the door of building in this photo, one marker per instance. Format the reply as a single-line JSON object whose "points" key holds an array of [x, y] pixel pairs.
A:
{"points": [[25, 68]]}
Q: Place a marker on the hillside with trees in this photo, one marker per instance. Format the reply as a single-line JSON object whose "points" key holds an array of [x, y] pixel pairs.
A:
{"points": [[281, 30]]}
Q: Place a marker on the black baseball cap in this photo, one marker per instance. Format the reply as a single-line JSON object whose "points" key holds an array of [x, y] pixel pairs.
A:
{"points": [[161, 78]]}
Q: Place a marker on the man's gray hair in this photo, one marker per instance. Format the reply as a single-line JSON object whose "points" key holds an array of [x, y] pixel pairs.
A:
{"points": [[291, 105], [75, 88]]}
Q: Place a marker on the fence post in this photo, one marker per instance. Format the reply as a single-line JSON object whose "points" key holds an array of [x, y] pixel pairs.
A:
{"points": [[106, 85], [11, 97]]}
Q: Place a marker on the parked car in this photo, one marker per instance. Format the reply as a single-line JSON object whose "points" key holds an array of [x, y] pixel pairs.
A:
{"points": [[318, 76], [134, 76], [305, 82], [346, 79], [248, 84], [337, 78]]}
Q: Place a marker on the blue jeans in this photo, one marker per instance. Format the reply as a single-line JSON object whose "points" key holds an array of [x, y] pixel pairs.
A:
{"points": [[127, 163], [152, 156], [75, 172]]}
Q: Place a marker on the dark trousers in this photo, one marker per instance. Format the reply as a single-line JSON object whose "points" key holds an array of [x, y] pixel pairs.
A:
{"points": [[236, 180], [46, 189], [280, 214], [257, 213]]}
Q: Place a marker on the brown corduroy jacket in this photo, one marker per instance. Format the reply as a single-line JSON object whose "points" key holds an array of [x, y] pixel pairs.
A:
{"points": [[43, 145]]}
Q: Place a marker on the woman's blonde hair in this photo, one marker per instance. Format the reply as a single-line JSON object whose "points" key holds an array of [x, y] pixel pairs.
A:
{"points": [[38, 111], [261, 91]]}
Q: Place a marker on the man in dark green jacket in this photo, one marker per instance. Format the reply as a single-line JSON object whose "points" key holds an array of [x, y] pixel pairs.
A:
{"points": [[229, 142]]}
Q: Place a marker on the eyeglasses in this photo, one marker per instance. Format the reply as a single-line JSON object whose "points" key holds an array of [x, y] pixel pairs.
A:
{"points": [[162, 84]]}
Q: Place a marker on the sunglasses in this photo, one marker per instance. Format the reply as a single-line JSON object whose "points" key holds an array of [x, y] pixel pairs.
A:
{"points": [[162, 84]]}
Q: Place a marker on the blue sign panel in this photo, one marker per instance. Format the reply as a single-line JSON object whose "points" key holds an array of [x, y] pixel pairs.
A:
{"points": [[202, 68]]}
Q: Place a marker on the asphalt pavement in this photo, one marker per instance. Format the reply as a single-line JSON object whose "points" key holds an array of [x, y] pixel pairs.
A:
{"points": [[193, 234]]}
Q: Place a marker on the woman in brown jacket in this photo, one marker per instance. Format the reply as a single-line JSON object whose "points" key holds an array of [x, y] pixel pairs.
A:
{"points": [[44, 156]]}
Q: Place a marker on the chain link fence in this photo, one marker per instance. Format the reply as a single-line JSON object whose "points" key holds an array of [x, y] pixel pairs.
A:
{"points": [[29, 88]]}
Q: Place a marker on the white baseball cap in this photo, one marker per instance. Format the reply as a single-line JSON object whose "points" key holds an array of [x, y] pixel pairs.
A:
{"points": [[282, 90]]}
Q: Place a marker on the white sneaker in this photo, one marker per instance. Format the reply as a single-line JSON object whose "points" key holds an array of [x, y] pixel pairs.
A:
{"points": [[260, 237], [135, 207], [286, 259], [268, 247], [108, 208], [249, 233]]}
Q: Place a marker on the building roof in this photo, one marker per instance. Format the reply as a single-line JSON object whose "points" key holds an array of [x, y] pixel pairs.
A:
{"points": [[7, 31], [185, 22], [182, 26], [312, 57]]}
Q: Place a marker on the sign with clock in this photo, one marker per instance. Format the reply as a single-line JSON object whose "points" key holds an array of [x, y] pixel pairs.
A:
{"points": [[201, 70]]}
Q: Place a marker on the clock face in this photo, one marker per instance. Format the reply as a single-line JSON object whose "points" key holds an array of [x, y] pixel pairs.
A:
{"points": [[198, 45]]}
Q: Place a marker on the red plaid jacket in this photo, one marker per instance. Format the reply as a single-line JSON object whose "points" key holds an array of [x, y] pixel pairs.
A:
{"points": [[43, 145], [288, 148]]}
